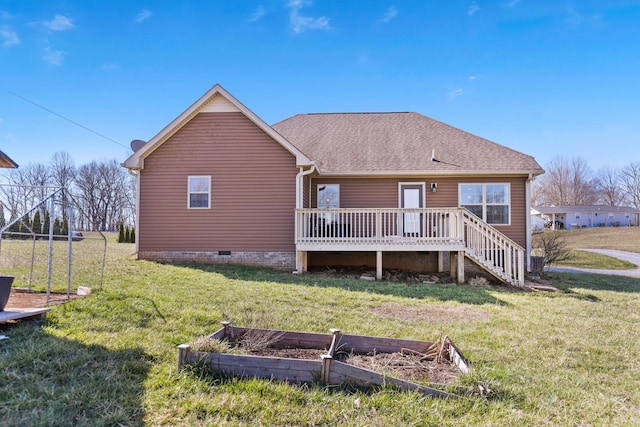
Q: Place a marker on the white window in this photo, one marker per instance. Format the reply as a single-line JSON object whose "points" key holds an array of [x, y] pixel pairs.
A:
{"points": [[491, 202], [199, 189]]}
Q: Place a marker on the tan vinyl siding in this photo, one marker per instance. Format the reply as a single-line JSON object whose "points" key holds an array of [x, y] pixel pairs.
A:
{"points": [[383, 193], [252, 189]]}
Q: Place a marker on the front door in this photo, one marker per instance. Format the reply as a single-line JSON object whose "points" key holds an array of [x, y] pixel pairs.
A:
{"points": [[411, 197]]}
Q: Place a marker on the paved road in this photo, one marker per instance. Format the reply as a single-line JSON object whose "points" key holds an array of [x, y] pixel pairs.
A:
{"points": [[631, 257]]}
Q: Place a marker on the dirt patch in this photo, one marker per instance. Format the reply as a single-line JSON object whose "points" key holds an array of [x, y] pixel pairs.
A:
{"points": [[365, 273], [433, 314], [21, 298]]}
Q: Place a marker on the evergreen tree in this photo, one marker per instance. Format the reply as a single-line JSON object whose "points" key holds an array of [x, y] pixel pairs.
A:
{"points": [[127, 235], [37, 224], [65, 227], [56, 226], [132, 235], [46, 223], [121, 233], [2, 218]]}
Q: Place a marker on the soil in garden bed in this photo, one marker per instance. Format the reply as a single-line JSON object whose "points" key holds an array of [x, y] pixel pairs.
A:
{"points": [[409, 367]]}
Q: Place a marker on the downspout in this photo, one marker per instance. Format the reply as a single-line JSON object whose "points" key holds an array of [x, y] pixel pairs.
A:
{"points": [[299, 182], [136, 174], [301, 263], [527, 195]]}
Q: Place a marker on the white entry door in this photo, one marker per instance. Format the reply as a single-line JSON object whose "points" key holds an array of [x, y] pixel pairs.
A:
{"points": [[411, 196]]}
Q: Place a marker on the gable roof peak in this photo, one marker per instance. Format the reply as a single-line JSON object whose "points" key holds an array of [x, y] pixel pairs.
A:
{"points": [[207, 103]]}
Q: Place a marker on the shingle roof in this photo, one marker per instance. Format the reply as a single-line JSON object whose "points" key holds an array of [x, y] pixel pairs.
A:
{"points": [[6, 162], [377, 143]]}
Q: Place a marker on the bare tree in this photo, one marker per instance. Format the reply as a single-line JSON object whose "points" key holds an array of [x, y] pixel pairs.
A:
{"points": [[103, 191], [62, 172], [630, 179], [609, 187], [26, 186], [568, 182], [551, 246]]}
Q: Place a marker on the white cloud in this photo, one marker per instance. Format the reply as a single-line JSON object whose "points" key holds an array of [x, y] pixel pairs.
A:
{"points": [[4, 15], [473, 8], [511, 3], [391, 13], [472, 78], [576, 18], [9, 37], [1, 120], [53, 57], [301, 23], [59, 23], [455, 94], [109, 67], [142, 16], [258, 13]]}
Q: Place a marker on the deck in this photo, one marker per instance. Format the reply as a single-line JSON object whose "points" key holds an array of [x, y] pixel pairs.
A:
{"points": [[454, 230], [23, 314]]}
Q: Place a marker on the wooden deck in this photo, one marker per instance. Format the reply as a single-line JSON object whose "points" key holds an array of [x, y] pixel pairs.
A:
{"points": [[453, 230], [23, 314]]}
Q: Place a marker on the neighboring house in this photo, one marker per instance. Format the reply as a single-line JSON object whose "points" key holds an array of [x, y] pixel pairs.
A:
{"points": [[398, 190], [537, 222], [570, 216], [6, 162]]}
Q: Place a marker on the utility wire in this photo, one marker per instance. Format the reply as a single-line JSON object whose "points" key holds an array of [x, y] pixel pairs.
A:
{"points": [[66, 118]]}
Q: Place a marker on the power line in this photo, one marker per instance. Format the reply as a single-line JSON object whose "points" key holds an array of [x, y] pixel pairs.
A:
{"points": [[66, 118]]}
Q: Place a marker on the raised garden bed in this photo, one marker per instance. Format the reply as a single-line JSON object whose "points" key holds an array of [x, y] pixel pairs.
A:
{"points": [[331, 359]]}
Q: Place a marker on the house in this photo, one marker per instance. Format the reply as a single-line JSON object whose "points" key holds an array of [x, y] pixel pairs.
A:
{"points": [[6, 162], [392, 190], [579, 216], [538, 223]]}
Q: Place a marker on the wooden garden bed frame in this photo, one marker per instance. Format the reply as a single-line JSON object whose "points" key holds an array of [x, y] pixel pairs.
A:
{"points": [[327, 370]]}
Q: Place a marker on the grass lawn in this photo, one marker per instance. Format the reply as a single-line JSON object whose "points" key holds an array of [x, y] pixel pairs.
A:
{"points": [[620, 238], [565, 358]]}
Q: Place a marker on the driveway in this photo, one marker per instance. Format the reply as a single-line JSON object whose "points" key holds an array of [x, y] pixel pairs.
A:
{"points": [[631, 257]]}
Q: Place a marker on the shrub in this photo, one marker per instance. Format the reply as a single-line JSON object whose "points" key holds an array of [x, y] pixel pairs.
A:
{"points": [[551, 246]]}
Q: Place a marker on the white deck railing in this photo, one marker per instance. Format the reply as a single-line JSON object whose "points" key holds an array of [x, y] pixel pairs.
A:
{"points": [[424, 229]]}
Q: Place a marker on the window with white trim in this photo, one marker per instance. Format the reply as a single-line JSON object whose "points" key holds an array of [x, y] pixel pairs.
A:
{"points": [[491, 201], [199, 188]]}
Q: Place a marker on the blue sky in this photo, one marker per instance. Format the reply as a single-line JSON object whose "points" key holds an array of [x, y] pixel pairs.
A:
{"points": [[545, 77]]}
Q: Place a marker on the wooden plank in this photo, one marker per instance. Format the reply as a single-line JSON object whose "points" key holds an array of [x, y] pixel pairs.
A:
{"points": [[288, 339], [361, 344], [23, 313], [345, 373], [295, 370], [358, 344]]}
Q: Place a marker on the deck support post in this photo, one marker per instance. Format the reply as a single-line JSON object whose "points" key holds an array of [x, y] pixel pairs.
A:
{"points": [[440, 262], [460, 267], [378, 265], [301, 261]]}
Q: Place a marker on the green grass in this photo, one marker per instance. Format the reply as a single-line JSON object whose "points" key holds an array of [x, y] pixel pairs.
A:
{"points": [[565, 358], [619, 238], [584, 259]]}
